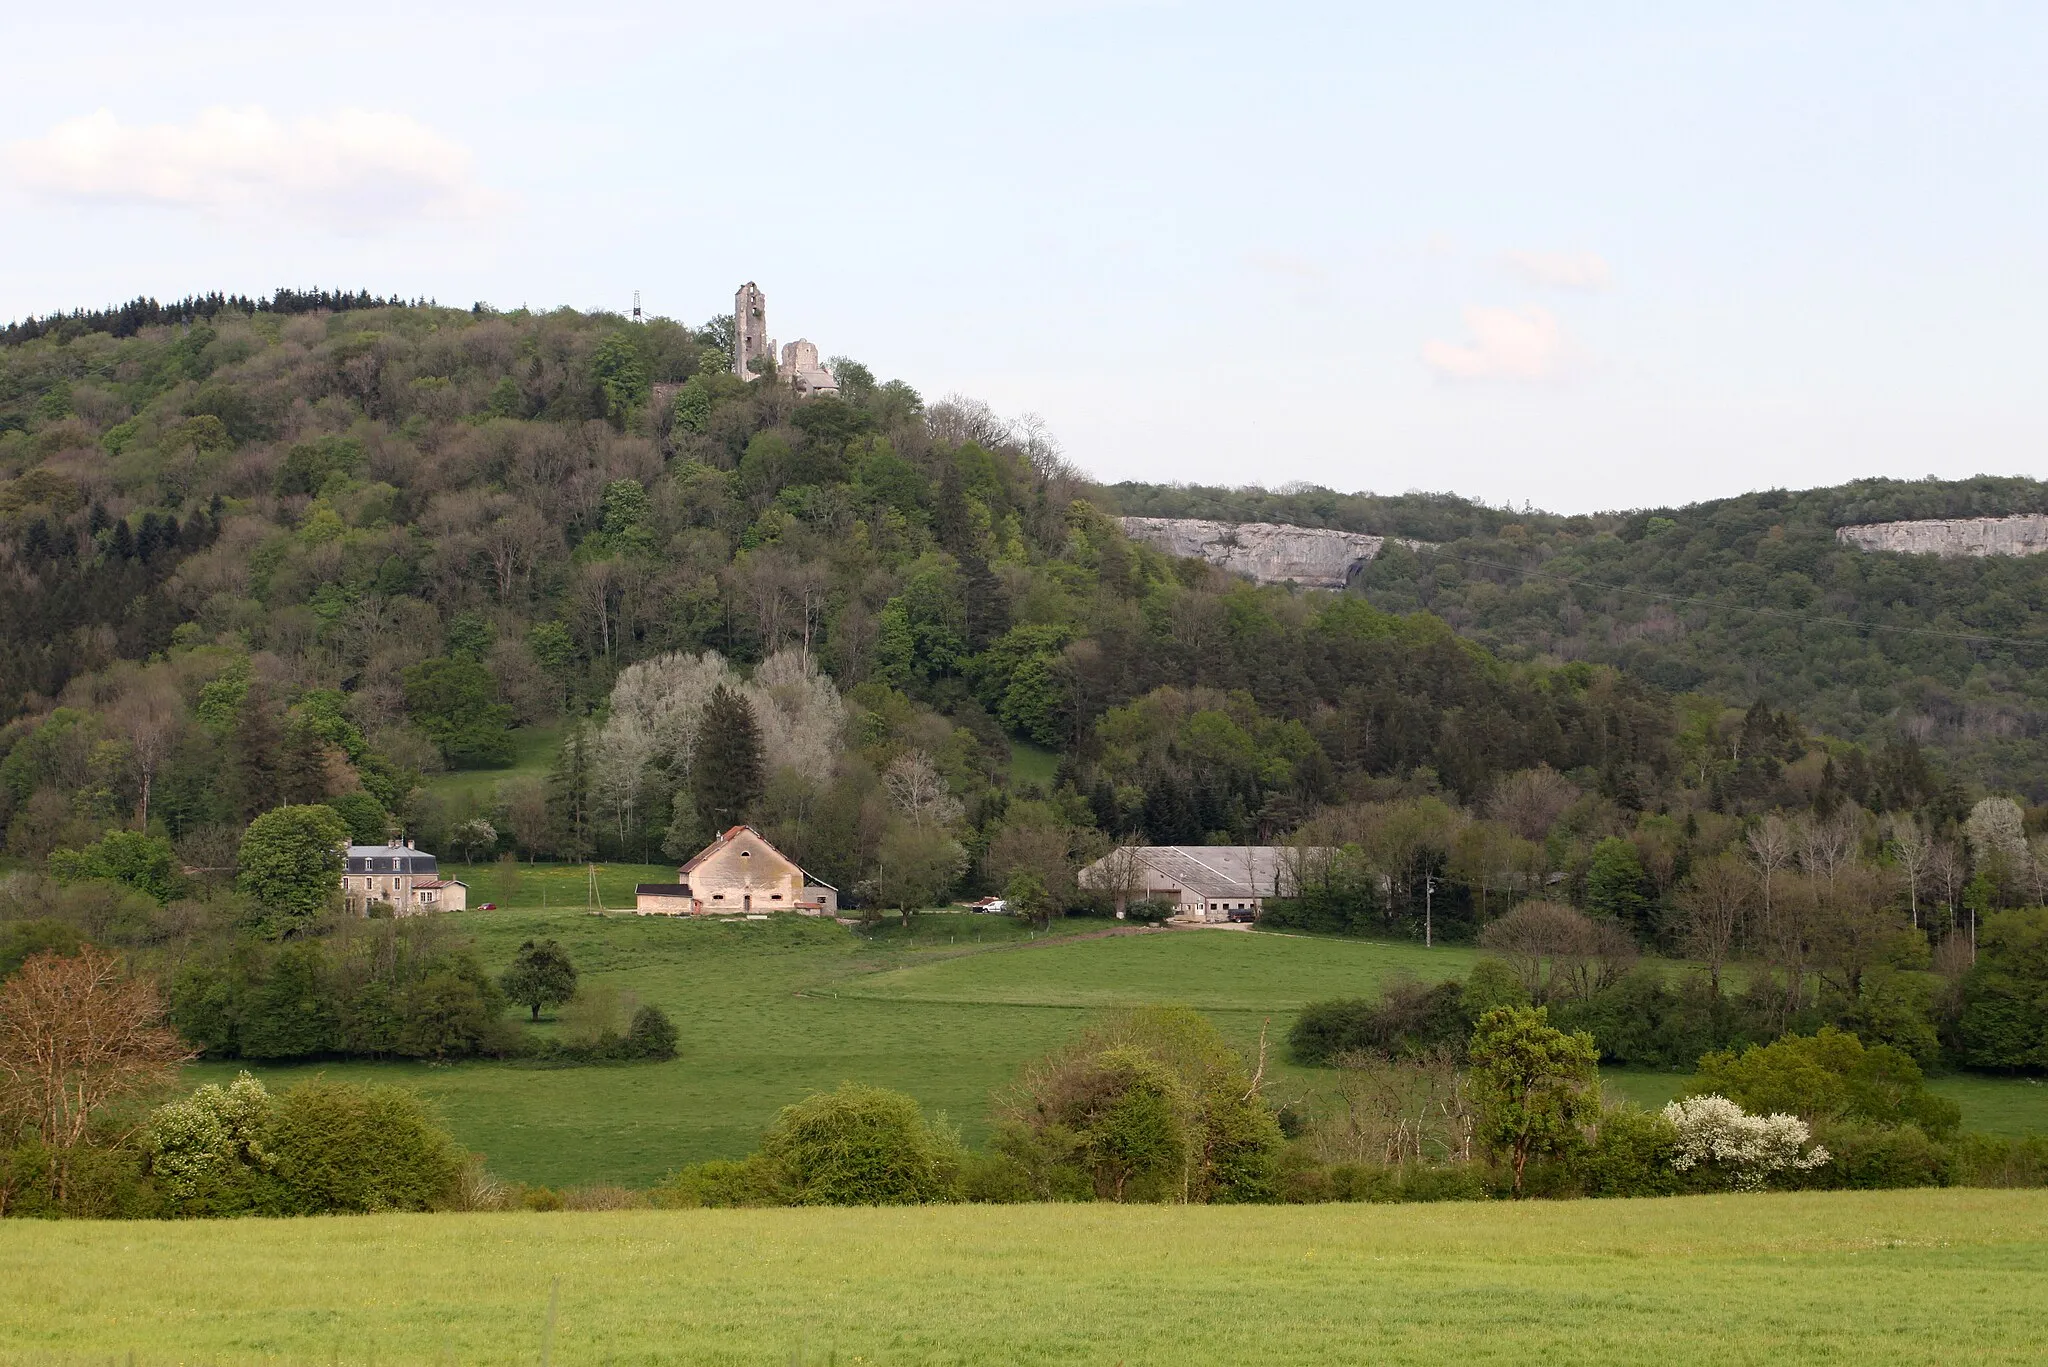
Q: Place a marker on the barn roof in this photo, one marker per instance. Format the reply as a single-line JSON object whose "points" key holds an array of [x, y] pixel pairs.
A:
{"points": [[726, 837], [1221, 870]]}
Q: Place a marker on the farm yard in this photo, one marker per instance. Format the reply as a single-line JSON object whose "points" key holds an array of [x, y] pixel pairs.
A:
{"points": [[770, 1011], [1852, 1277]]}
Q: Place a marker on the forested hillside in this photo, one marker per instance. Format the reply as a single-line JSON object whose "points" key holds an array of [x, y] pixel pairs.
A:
{"points": [[308, 553], [1744, 598]]}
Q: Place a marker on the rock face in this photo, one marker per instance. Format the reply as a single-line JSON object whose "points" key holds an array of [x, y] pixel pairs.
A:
{"points": [[1313, 557], [2025, 534]]}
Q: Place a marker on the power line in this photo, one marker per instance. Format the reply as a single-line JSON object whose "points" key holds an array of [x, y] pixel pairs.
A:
{"points": [[1740, 607]]}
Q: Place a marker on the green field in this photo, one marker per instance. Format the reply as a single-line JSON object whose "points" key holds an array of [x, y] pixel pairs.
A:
{"points": [[771, 1010], [1849, 1278], [467, 792], [1032, 765]]}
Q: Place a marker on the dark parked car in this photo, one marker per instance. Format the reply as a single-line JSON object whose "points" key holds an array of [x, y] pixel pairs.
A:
{"points": [[1243, 915]]}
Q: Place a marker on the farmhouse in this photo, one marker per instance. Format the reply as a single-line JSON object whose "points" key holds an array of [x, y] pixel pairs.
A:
{"points": [[1201, 882], [738, 874], [401, 877]]}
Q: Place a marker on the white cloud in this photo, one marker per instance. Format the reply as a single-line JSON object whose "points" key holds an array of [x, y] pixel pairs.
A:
{"points": [[353, 167], [1507, 344], [1561, 270]]}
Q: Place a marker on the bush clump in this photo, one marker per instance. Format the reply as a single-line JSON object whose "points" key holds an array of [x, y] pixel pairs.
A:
{"points": [[318, 1148], [857, 1146], [1152, 1105]]}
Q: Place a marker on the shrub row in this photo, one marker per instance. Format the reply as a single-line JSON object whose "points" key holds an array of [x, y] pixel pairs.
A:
{"points": [[317, 1148]]}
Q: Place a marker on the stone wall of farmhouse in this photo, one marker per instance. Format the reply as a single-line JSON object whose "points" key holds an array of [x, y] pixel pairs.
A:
{"points": [[746, 866]]}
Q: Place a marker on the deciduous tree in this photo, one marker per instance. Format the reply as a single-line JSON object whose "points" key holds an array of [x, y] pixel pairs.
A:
{"points": [[1536, 1087], [77, 1034], [291, 862], [541, 975]]}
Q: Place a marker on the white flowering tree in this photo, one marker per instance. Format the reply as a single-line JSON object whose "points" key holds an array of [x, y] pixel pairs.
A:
{"points": [[658, 705], [197, 1144], [1750, 1149]]}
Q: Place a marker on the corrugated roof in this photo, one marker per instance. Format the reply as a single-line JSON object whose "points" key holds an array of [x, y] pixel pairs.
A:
{"points": [[1220, 870]]}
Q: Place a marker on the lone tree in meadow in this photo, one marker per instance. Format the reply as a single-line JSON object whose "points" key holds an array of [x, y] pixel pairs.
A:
{"points": [[727, 769], [540, 975], [1536, 1086]]}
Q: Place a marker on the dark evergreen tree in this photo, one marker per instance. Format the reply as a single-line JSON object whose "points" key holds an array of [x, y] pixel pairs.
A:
{"points": [[302, 764], [988, 609], [727, 770], [568, 797], [256, 747]]}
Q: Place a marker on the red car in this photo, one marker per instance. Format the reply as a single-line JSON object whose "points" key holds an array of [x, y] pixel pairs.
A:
{"points": [[488, 906]]}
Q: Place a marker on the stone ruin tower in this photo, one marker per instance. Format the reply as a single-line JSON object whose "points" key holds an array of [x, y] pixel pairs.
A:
{"points": [[751, 343], [750, 339]]}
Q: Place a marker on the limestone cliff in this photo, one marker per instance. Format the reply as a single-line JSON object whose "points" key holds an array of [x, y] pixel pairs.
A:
{"points": [[1313, 557], [2025, 534]]}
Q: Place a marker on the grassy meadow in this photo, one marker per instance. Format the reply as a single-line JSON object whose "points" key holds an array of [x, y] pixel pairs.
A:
{"points": [[1863, 1278], [771, 1010], [468, 792]]}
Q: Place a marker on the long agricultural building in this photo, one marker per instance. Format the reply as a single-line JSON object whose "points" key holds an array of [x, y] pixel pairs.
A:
{"points": [[1205, 882]]}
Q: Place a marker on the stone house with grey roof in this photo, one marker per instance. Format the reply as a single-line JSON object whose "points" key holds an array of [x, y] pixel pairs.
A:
{"points": [[406, 880]]}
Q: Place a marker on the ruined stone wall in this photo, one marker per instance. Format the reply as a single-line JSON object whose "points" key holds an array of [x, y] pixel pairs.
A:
{"points": [[1266, 552], [2025, 534]]}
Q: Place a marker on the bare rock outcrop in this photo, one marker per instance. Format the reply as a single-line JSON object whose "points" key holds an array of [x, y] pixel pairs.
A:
{"points": [[2024, 534], [1266, 552]]}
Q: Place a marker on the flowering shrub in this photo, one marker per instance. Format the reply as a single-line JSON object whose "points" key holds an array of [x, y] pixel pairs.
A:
{"points": [[198, 1143], [1749, 1148]]}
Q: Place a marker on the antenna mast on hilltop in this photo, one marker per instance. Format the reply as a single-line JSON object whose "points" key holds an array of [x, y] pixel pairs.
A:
{"points": [[636, 306]]}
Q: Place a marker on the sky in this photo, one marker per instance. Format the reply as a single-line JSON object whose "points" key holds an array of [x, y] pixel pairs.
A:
{"points": [[1581, 256]]}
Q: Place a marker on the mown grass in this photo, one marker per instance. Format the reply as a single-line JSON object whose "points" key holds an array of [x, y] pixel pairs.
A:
{"points": [[946, 1011], [1865, 1278], [1215, 970], [558, 887], [467, 792], [1032, 765]]}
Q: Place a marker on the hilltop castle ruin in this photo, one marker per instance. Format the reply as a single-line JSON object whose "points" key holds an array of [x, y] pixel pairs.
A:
{"points": [[751, 344]]}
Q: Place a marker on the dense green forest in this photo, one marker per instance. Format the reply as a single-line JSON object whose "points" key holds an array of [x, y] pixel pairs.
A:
{"points": [[302, 554], [1744, 598]]}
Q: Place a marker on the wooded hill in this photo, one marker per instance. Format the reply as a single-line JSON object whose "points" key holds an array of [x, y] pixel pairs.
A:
{"points": [[1743, 598], [322, 544]]}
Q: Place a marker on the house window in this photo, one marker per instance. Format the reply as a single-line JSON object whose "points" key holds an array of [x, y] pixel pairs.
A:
{"points": [[428, 896], [775, 897]]}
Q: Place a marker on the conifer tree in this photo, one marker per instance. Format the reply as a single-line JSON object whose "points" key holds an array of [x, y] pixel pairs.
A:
{"points": [[988, 609], [256, 746], [726, 771], [568, 797], [302, 764]]}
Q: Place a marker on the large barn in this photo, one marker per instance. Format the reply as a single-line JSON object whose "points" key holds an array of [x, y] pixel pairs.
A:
{"points": [[738, 874], [1201, 882]]}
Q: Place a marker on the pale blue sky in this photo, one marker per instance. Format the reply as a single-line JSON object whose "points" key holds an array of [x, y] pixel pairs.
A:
{"points": [[1597, 256]]}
